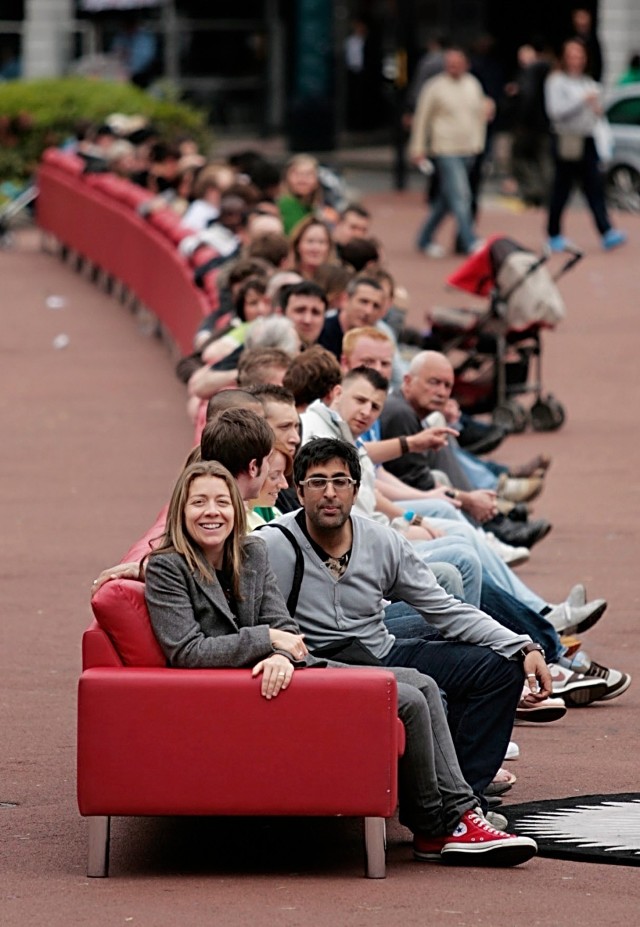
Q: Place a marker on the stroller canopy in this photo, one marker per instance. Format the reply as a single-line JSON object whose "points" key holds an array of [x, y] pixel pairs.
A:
{"points": [[522, 290]]}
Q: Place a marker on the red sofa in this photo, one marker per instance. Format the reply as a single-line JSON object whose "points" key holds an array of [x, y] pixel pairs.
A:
{"points": [[160, 741], [97, 216]]}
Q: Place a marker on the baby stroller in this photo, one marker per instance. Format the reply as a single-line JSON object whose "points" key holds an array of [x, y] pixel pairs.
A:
{"points": [[491, 351]]}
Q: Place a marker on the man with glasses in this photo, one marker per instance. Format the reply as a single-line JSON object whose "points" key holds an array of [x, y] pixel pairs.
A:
{"points": [[352, 565]]}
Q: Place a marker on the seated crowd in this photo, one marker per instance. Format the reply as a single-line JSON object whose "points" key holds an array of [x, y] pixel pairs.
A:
{"points": [[340, 450]]}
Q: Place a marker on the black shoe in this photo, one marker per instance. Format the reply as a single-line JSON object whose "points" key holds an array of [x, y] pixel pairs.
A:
{"points": [[519, 534], [519, 512]]}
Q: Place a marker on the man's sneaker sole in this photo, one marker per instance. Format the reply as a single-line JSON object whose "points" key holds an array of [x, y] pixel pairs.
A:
{"points": [[615, 691], [503, 853], [542, 715], [587, 622], [579, 694], [615, 687]]}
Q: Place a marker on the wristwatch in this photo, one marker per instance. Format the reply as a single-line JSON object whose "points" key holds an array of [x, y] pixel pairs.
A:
{"points": [[530, 648]]}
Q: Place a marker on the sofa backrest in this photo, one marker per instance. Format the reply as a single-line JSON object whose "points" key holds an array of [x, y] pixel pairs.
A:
{"points": [[121, 611]]}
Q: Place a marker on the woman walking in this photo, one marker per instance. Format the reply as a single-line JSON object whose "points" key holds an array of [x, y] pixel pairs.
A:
{"points": [[573, 102]]}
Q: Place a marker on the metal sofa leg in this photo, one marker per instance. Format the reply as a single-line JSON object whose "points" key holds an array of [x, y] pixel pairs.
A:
{"points": [[98, 862], [375, 846]]}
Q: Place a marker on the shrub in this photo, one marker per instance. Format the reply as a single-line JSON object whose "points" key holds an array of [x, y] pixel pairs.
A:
{"points": [[37, 113]]}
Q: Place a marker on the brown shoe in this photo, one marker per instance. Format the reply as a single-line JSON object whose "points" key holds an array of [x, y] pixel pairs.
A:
{"points": [[519, 489], [537, 466]]}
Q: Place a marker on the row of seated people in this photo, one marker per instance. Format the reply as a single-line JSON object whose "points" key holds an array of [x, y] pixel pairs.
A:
{"points": [[263, 275], [447, 546], [409, 480], [367, 595], [336, 301]]}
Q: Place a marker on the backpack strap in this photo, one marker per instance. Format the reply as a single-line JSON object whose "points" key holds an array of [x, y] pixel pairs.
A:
{"points": [[298, 571]]}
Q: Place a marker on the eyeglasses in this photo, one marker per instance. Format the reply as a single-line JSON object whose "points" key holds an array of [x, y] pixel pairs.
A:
{"points": [[319, 483]]}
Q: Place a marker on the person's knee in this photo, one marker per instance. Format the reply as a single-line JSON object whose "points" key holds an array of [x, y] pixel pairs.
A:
{"points": [[412, 704], [508, 671], [448, 576]]}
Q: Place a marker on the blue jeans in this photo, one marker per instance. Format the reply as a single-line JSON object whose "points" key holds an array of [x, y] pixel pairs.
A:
{"points": [[404, 621], [519, 618], [483, 474], [455, 525], [462, 557], [482, 691], [449, 578], [454, 196]]}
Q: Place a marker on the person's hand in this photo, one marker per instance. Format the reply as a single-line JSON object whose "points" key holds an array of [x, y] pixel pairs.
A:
{"points": [[480, 504], [423, 532], [121, 571], [592, 100], [291, 643], [430, 438], [444, 494], [276, 674], [489, 109], [537, 675]]}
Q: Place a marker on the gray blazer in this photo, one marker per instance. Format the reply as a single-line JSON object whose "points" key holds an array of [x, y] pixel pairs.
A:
{"points": [[193, 622]]}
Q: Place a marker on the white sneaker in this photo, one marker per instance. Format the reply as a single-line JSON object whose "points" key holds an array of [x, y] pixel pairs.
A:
{"points": [[434, 250], [577, 595], [495, 819], [513, 556], [572, 619], [575, 688], [513, 751]]}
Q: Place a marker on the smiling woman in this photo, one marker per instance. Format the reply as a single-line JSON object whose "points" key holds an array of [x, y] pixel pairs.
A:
{"points": [[212, 596], [280, 467]]}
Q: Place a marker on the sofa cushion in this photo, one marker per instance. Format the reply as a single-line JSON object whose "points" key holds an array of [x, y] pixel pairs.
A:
{"points": [[121, 611]]}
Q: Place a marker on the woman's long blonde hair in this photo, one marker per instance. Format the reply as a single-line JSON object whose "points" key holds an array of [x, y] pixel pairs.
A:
{"points": [[177, 539]]}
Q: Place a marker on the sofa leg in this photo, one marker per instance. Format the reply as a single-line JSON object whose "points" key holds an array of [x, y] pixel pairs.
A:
{"points": [[375, 845], [98, 863]]}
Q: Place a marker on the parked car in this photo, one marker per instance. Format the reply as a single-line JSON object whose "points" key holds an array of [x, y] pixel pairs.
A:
{"points": [[622, 108]]}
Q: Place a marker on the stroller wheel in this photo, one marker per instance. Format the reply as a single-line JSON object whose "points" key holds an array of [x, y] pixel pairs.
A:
{"points": [[547, 414], [511, 416]]}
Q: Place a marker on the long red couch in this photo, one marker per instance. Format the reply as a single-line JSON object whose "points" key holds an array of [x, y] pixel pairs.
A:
{"points": [[96, 216]]}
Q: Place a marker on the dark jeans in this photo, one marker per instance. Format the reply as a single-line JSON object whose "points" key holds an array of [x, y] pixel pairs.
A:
{"points": [[482, 690], [586, 173]]}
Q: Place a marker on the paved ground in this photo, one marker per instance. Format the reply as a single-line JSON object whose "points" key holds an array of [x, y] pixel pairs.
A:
{"points": [[93, 435]]}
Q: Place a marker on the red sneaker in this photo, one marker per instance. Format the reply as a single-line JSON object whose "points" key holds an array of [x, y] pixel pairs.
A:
{"points": [[428, 848], [476, 843]]}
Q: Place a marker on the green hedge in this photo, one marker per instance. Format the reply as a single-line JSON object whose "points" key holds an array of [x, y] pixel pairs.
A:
{"points": [[38, 113]]}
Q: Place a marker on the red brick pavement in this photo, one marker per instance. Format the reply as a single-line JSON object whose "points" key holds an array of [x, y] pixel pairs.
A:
{"points": [[93, 435]]}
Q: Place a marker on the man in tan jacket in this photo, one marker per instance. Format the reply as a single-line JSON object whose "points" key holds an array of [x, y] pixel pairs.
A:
{"points": [[449, 127]]}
